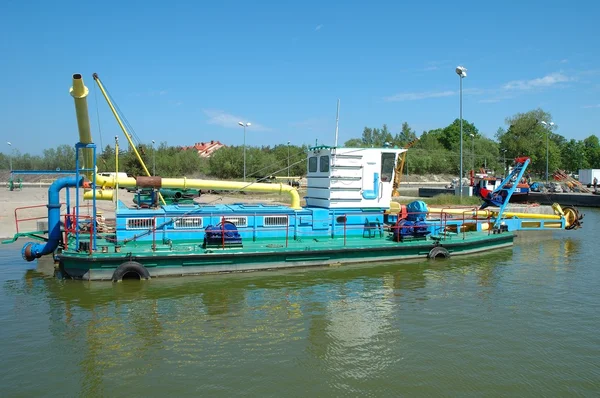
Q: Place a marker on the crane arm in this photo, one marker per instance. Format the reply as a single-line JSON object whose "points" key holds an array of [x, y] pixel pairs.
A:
{"points": [[400, 168]]}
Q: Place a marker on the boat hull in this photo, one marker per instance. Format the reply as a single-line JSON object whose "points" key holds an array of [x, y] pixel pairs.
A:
{"points": [[263, 256]]}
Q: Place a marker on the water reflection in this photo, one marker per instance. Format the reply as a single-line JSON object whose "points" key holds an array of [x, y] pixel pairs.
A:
{"points": [[342, 319]]}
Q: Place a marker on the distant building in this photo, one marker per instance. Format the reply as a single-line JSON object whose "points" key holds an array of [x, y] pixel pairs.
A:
{"points": [[205, 149]]}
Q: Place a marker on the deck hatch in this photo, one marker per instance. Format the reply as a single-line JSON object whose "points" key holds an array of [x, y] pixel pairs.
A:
{"points": [[275, 221], [140, 223], [188, 223], [238, 221]]}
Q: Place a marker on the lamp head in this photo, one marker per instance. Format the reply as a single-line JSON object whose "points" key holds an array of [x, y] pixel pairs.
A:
{"points": [[248, 124], [9, 143], [241, 124], [461, 71]]}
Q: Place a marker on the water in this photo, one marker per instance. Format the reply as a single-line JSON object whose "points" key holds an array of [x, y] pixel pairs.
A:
{"points": [[516, 322]]}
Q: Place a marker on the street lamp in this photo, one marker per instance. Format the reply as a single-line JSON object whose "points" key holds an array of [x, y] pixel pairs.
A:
{"points": [[10, 155], [244, 125], [461, 71], [288, 161], [153, 160], [472, 151], [504, 172], [549, 125]]}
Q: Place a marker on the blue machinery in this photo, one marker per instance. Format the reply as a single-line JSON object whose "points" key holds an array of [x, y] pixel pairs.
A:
{"points": [[30, 250]]}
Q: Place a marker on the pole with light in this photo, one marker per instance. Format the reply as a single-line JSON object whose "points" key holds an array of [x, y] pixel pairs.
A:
{"points": [[549, 125], [504, 152], [153, 160], [10, 155], [244, 125], [461, 71]]}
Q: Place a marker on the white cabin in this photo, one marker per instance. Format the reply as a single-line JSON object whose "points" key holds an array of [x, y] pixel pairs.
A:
{"points": [[351, 177]]}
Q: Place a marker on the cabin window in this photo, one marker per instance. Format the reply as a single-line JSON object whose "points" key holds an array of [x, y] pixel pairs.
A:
{"points": [[188, 222], [324, 164], [275, 221], [387, 166], [239, 222], [312, 164], [140, 223]]}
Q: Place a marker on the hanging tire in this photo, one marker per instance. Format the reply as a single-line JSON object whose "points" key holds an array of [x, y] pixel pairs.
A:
{"points": [[438, 253], [130, 269]]}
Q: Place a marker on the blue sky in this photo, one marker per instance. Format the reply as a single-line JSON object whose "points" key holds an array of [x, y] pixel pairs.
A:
{"points": [[188, 71]]}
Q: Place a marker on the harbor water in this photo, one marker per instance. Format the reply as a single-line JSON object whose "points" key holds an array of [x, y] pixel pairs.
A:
{"points": [[516, 322]]}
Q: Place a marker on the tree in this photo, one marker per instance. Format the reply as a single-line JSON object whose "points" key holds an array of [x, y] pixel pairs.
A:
{"points": [[573, 156], [405, 136], [527, 136], [449, 137], [592, 151]]}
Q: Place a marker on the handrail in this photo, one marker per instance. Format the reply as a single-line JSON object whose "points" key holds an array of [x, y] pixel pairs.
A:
{"points": [[17, 220]]}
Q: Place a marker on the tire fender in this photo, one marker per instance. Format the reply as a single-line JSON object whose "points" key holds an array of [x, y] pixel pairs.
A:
{"points": [[130, 266], [438, 253]]}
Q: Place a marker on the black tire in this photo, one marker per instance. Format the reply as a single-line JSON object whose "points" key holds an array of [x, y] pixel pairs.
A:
{"points": [[130, 267], [438, 253]]}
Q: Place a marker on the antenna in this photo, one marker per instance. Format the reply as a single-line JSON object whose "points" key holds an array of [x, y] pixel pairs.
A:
{"points": [[337, 121]]}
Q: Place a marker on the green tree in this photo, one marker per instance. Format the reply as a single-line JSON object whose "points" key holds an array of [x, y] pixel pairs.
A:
{"points": [[405, 136], [449, 137], [527, 136]]}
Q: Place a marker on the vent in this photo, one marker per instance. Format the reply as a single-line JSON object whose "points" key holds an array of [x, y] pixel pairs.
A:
{"points": [[140, 223], [239, 222], [275, 221], [188, 223]]}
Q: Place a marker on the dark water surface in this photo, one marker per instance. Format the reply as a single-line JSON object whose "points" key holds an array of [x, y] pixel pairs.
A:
{"points": [[517, 322]]}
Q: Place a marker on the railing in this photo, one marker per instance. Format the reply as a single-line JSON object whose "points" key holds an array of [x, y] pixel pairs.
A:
{"points": [[163, 225], [73, 225], [18, 220]]}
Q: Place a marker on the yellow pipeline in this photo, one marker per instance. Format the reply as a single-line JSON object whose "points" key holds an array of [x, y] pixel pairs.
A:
{"points": [[185, 183], [492, 213], [101, 194], [79, 93], [570, 216]]}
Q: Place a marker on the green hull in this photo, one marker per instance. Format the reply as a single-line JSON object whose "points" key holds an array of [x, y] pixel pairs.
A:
{"points": [[192, 259]]}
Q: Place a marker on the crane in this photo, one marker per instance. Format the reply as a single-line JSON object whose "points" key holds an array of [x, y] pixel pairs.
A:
{"points": [[400, 168]]}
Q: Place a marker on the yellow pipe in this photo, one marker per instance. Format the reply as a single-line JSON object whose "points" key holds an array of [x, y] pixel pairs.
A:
{"points": [[491, 213], [101, 194], [79, 92], [185, 183], [131, 144]]}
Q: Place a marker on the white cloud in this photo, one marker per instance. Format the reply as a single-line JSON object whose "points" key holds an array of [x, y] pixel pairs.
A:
{"points": [[318, 27], [221, 118], [431, 94], [419, 96], [564, 61], [540, 82], [591, 106]]}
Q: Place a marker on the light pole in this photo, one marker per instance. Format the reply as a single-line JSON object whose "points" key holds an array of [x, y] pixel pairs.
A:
{"points": [[244, 125], [549, 125], [461, 71], [153, 160], [472, 152], [10, 155], [504, 171], [288, 161]]}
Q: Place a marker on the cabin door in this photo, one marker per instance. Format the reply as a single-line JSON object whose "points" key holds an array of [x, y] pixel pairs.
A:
{"points": [[388, 167]]}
